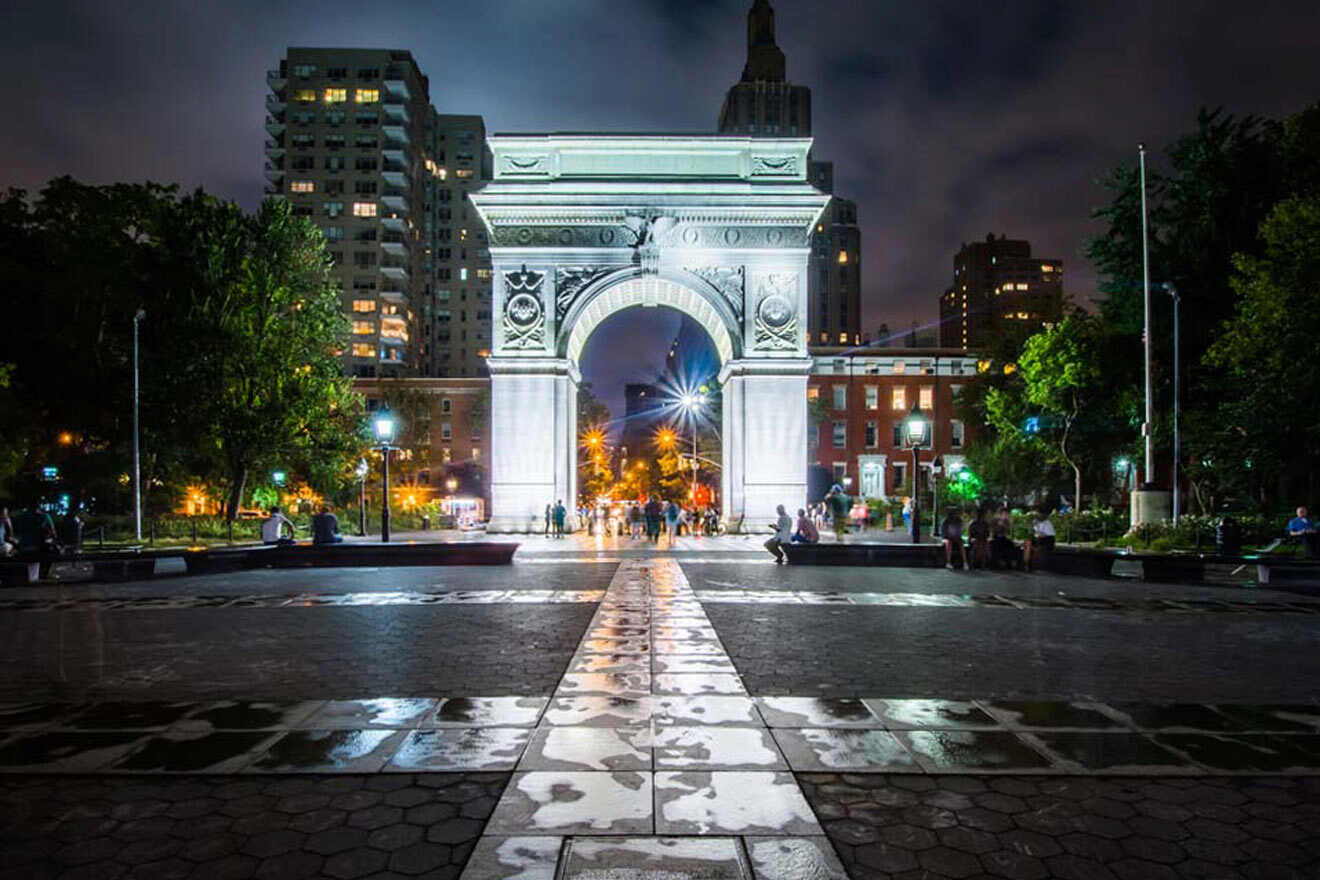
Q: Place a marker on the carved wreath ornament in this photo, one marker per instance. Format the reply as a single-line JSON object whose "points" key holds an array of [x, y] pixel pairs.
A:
{"points": [[524, 316], [776, 317]]}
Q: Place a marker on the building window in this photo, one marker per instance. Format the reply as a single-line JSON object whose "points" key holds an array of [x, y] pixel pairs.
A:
{"points": [[333, 209], [336, 96], [333, 233], [898, 435], [843, 258], [872, 397], [840, 396], [366, 96], [363, 328], [364, 350], [446, 431], [926, 398], [304, 70], [840, 435], [305, 96], [364, 305], [898, 397], [900, 477], [872, 439], [840, 471], [956, 432], [446, 405], [302, 186], [364, 209]]}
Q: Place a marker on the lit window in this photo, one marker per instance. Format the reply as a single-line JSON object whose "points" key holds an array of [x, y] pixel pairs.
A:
{"points": [[463, 173], [872, 397], [364, 305], [364, 350], [363, 328], [813, 393], [926, 398], [843, 338], [305, 96], [364, 209], [462, 274], [483, 274], [336, 96], [1021, 286], [302, 186], [898, 398], [843, 257], [367, 96]]}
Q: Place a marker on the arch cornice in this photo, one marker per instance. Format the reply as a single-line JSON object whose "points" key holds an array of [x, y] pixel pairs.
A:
{"points": [[631, 286]]}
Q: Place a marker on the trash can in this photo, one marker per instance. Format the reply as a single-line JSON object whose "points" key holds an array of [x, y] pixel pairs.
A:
{"points": [[426, 523], [1228, 537]]}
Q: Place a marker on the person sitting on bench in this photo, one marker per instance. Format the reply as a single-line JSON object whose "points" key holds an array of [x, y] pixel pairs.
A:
{"points": [[272, 528], [36, 537], [325, 527], [1302, 528]]}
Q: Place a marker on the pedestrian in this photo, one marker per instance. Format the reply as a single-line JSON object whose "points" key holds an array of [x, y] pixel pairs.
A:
{"points": [[69, 531], [837, 502], [636, 520], [1302, 528], [1038, 547], [559, 514], [979, 532], [806, 531], [654, 513], [671, 521], [951, 532], [272, 528], [907, 514], [783, 534], [684, 522], [36, 536], [1002, 549], [325, 527], [8, 540], [860, 514], [549, 514]]}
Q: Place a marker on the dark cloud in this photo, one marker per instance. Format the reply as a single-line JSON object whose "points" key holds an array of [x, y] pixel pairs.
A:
{"points": [[945, 120]]}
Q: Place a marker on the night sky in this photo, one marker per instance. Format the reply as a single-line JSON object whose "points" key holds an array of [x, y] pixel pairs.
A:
{"points": [[945, 120]]}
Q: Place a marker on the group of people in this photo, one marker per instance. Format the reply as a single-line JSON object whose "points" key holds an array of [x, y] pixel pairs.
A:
{"points": [[650, 519], [989, 540], [277, 528], [32, 533]]}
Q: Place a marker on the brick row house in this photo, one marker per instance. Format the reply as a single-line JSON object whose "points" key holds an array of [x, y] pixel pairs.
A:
{"points": [[862, 398]]}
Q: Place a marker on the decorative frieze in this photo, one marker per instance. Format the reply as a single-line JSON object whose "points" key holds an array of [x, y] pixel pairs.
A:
{"points": [[624, 235], [776, 323], [569, 282], [730, 281], [524, 313]]}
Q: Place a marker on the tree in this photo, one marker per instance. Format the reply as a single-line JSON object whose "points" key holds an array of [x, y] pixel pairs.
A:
{"points": [[266, 316], [1270, 404]]}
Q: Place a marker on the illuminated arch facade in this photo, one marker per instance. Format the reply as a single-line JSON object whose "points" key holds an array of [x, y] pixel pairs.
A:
{"points": [[583, 226]]}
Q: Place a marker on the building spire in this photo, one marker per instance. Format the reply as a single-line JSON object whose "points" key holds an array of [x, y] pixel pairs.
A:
{"points": [[765, 60]]}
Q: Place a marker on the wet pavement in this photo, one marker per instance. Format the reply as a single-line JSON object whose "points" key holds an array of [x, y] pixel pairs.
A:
{"points": [[630, 715]]}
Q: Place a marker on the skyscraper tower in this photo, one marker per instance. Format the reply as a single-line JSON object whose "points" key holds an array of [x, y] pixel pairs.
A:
{"points": [[765, 104]]}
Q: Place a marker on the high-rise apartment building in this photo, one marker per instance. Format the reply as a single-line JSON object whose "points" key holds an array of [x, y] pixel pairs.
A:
{"points": [[1000, 293], [355, 145], [765, 103]]}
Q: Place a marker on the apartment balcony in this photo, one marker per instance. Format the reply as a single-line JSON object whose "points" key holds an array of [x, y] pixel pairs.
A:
{"points": [[394, 271], [275, 104], [275, 80], [276, 175], [395, 133], [395, 247], [393, 296], [275, 128], [395, 178], [274, 150], [394, 224], [396, 203], [397, 113], [395, 155], [398, 88]]}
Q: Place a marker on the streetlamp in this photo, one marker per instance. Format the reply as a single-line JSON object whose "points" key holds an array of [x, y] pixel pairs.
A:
{"points": [[361, 471], [691, 403], [278, 478], [137, 451], [1177, 451], [384, 425], [916, 434], [1147, 427]]}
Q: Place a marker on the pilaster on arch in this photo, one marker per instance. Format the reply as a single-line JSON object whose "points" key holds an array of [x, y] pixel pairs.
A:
{"points": [[616, 294]]}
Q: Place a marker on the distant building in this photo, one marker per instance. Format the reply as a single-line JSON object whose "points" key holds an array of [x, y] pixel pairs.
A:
{"points": [[866, 397], [355, 146], [765, 103], [1000, 292]]}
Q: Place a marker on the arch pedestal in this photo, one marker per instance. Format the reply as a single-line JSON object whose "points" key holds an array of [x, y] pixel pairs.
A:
{"points": [[582, 227]]}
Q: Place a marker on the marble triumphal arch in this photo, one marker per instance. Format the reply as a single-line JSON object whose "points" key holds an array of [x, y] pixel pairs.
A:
{"points": [[583, 226]]}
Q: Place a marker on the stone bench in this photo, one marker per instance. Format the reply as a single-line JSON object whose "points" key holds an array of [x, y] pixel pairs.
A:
{"points": [[357, 554], [1288, 574], [19, 572], [883, 555]]}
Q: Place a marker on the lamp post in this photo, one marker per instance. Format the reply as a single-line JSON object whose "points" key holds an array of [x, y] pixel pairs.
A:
{"points": [[691, 403], [384, 425], [916, 433], [361, 472], [1177, 439], [137, 451], [278, 478]]}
